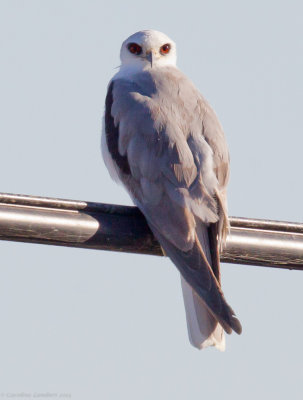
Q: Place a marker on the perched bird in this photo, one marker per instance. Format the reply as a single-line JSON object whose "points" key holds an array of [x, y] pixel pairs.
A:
{"points": [[163, 141]]}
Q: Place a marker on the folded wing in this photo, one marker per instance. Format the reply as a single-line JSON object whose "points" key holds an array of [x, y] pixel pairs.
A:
{"points": [[169, 151]]}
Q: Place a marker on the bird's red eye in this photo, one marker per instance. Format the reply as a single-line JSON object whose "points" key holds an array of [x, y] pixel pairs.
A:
{"points": [[134, 48], [165, 49]]}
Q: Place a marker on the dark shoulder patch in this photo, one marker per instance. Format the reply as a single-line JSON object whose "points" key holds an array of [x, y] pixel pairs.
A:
{"points": [[112, 134]]}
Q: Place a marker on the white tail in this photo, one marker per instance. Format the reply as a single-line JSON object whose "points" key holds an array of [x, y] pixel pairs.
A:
{"points": [[203, 329]]}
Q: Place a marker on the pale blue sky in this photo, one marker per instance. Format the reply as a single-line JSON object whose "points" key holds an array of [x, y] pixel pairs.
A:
{"points": [[102, 325]]}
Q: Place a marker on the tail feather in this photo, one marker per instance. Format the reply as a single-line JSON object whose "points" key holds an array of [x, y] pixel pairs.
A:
{"points": [[207, 311], [203, 329]]}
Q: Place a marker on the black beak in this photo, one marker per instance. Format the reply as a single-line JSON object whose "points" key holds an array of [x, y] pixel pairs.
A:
{"points": [[150, 57]]}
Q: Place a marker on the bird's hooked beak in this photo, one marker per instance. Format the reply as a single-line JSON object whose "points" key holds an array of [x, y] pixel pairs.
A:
{"points": [[150, 57]]}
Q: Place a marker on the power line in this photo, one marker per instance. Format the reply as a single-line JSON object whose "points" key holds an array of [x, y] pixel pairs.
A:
{"points": [[121, 228]]}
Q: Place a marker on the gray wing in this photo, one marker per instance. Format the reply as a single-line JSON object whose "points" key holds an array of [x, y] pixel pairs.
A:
{"points": [[174, 174]]}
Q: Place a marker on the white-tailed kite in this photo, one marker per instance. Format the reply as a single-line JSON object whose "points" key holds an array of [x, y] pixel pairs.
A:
{"points": [[163, 141]]}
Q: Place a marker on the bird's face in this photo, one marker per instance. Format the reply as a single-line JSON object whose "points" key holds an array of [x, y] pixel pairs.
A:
{"points": [[148, 49]]}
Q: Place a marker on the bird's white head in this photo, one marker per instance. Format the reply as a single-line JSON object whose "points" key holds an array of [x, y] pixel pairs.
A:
{"points": [[147, 49]]}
